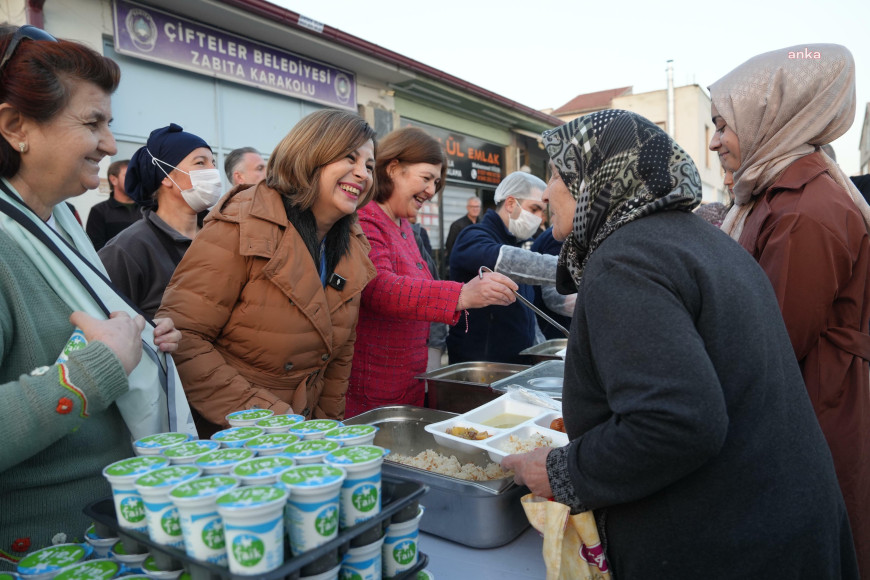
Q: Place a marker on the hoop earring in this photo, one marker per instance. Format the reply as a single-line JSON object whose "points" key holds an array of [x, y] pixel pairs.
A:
{"points": [[22, 146]]}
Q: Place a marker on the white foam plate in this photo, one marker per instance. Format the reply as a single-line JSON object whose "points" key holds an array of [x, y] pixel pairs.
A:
{"points": [[535, 417], [498, 446]]}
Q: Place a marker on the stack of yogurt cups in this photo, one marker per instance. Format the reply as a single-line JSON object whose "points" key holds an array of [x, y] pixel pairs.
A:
{"points": [[232, 500]]}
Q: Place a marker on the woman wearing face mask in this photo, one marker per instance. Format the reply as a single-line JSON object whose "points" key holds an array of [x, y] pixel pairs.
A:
{"points": [[401, 302], [498, 334], [268, 295], [173, 177]]}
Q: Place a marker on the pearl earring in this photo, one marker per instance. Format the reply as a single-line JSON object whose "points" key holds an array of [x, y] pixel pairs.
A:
{"points": [[22, 146]]}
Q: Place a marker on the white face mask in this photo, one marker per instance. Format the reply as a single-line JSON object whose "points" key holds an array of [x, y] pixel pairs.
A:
{"points": [[205, 186], [206, 189], [525, 226]]}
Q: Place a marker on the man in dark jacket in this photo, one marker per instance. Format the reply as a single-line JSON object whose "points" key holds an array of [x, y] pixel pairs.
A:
{"points": [[109, 218], [497, 333]]}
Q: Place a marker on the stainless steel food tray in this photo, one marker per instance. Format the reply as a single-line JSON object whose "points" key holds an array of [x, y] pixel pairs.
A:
{"points": [[473, 513], [546, 350], [465, 386], [526, 378]]}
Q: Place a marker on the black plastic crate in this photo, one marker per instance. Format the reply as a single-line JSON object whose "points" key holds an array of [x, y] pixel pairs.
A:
{"points": [[399, 500]]}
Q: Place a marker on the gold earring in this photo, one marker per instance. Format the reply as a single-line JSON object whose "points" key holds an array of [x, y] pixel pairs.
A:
{"points": [[22, 146]]}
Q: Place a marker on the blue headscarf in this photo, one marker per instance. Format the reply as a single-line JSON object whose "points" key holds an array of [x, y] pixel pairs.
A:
{"points": [[167, 146]]}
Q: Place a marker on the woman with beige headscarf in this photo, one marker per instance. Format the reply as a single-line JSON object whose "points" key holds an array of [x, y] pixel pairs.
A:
{"points": [[799, 215]]}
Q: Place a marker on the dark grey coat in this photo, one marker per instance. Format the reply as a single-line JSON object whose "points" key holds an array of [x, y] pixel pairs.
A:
{"points": [[688, 415]]}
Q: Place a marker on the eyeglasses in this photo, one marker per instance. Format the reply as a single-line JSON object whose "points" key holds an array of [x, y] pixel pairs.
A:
{"points": [[26, 31]]}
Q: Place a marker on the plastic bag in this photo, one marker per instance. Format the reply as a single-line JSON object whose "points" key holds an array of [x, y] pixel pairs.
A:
{"points": [[572, 548]]}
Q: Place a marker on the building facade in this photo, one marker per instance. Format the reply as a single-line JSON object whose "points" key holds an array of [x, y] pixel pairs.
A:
{"points": [[243, 72]]}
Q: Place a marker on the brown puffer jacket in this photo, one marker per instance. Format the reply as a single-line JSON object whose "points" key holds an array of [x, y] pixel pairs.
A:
{"points": [[259, 329]]}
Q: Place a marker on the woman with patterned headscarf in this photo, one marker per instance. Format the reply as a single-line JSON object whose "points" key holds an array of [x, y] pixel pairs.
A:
{"points": [[803, 220], [691, 435]]}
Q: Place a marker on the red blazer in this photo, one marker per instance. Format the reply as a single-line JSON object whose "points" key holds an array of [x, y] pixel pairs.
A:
{"points": [[397, 309]]}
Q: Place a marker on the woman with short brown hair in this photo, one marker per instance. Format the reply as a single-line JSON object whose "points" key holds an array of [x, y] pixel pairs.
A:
{"points": [[267, 296]]}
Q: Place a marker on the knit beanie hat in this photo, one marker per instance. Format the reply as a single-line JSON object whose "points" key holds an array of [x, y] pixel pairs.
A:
{"points": [[167, 146]]}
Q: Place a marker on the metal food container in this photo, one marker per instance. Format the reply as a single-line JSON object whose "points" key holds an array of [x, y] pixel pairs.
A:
{"points": [[546, 350], [478, 514], [545, 377], [461, 387]]}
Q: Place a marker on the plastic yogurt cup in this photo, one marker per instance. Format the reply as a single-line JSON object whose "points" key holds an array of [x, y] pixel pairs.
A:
{"points": [[400, 550], [48, 562], [248, 417], [254, 528], [92, 570], [311, 514], [133, 562], [201, 525], [279, 423], [14, 576], [161, 514], [155, 444], [331, 574], [353, 435], [152, 571], [364, 562], [128, 503], [425, 575], [236, 436], [222, 461], [271, 443], [100, 545], [310, 451], [190, 451], [262, 470], [361, 490], [314, 429]]}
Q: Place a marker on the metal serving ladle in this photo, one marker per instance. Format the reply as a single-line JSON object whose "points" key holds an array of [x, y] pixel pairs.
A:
{"points": [[534, 308]]}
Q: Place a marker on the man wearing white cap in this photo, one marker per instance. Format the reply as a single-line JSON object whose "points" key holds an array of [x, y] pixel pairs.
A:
{"points": [[497, 333]]}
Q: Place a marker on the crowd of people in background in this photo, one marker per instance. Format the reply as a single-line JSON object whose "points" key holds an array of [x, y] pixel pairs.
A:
{"points": [[717, 386]]}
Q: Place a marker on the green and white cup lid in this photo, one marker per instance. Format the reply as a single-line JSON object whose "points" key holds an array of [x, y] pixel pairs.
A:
{"points": [[237, 434], [280, 421], [135, 466], [262, 466], [312, 448], [208, 486], [223, 457], [250, 415], [168, 476], [53, 558], [315, 426], [351, 432], [191, 449], [356, 455], [272, 441], [252, 496], [312, 476], [161, 440], [102, 569]]}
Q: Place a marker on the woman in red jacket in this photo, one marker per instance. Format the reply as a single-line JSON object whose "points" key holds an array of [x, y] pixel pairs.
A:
{"points": [[799, 215], [403, 299]]}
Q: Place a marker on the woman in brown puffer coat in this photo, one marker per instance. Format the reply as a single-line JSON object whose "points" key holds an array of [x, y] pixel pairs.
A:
{"points": [[267, 297]]}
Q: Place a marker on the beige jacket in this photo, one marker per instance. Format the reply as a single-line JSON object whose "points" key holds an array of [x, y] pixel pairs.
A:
{"points": [[259, 329]]}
